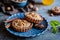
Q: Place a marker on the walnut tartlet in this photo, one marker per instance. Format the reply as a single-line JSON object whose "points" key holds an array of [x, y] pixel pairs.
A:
{"points": [[56, 10], [21, 25], [32, 17]]}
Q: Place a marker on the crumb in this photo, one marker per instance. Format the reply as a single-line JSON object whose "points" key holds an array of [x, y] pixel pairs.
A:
{"points": [[51, 14], [35, 9], [31, 6]]}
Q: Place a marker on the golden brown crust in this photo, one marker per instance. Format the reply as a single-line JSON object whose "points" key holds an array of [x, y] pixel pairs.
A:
{"points": [[33, 19], [22, 27]]}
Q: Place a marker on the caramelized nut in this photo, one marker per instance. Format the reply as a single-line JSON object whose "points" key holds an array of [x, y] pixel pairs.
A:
{"points": [[8, 8], [35, 9], [40, 26], [51, 14], [31, 6]]}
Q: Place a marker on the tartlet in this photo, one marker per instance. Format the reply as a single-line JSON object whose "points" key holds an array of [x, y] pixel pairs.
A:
{"points": [[56, 10], [32, 17], [39, 26], [21, 25]]}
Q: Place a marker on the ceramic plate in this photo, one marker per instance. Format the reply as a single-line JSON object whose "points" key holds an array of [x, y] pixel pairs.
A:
{"points": [[30, 33]]}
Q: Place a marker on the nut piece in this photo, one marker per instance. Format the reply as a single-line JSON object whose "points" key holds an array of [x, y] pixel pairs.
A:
{"points": [[8, 8], [51, 14], [56, 10], [35, 9], [31, 6]]}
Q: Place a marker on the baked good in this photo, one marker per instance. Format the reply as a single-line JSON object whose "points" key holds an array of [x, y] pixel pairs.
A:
{"points": [[39, 26], [21, 25], [35, 9], [56, 10], [32, 17]]}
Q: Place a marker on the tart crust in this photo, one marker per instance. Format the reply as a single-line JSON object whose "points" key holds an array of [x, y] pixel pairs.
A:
{"points": [[32, 17], [21, 25]]}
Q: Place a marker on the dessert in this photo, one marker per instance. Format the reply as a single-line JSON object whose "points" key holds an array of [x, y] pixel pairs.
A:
{"points": [[35, 9], [30, 5], [56, 10], [21, 25], [39, 26], [32, 17]]}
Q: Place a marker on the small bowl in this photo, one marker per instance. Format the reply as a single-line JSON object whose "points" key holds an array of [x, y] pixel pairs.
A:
{"points": [[19, 4]]}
